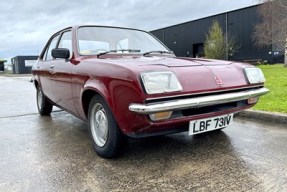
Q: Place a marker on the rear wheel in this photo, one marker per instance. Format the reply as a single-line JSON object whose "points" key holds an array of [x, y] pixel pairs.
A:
{"points": [[44, 105], [106, 136]]}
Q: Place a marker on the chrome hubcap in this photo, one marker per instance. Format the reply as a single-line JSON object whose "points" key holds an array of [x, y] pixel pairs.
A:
{"points": [[99, 125], [39, 98]]}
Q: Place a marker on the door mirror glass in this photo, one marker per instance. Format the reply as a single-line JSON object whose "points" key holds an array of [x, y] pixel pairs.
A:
{"points": [[61, 53]]}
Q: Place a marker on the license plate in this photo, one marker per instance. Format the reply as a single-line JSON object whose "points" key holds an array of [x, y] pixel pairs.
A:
{"points": [[209, 124]]}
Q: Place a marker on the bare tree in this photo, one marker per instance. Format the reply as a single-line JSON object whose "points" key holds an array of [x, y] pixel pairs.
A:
{"points": [[273, 29]]}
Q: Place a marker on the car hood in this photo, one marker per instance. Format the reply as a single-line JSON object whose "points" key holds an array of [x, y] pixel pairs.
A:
{"points": [[194, 75], [132, 61]]}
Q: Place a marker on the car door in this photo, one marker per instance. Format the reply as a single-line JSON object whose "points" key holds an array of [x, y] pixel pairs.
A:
{"points": [[43, 66], [61, 76]]}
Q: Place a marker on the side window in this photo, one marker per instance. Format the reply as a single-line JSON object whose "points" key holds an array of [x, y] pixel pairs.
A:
{"points": [[66, 41], [52, 45]]}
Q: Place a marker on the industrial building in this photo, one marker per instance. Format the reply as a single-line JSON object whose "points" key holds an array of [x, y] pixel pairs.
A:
{"points": [[2, 65], [187, 39], [23, 64]]}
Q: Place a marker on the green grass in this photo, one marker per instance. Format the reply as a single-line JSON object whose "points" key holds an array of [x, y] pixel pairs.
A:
{"points": [[276, 82]]}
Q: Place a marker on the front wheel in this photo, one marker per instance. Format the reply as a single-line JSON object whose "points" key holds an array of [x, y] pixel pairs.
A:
{"points": [[104, 131], [44, 105], [218, 130]]}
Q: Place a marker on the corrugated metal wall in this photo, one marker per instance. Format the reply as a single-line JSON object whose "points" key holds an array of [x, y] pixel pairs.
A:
{"points": [[241, 25], [187, 38], [22, 64]]}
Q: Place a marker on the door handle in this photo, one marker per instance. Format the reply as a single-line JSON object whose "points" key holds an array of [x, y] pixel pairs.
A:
{"points": [[52, 69]]}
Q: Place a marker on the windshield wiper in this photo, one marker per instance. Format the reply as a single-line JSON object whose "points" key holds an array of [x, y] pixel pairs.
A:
{"points": [[161, 52], [119, 50]]}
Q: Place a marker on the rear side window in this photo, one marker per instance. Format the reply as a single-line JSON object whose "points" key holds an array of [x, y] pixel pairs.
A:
{"points": [[52, 45]]}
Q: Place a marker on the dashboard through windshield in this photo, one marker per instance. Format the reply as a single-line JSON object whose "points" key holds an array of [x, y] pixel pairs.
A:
{"points": [[96, 40]]}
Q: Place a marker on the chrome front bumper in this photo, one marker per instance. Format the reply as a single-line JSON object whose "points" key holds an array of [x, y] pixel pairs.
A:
{"points": [[196, 102]]}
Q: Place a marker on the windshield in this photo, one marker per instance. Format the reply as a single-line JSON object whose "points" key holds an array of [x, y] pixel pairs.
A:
{"points": [[96, 40]]}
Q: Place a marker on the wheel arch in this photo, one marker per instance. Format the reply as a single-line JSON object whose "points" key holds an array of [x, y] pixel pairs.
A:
{"points": [[86, 99], [91, 89], [36, 83]]}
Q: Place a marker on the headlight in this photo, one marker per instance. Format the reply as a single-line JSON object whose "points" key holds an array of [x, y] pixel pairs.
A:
{"points": [[254, 75], [160, 82]]}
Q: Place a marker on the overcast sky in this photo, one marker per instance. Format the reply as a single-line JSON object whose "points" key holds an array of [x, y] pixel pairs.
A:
{"points": [[26, 25]]}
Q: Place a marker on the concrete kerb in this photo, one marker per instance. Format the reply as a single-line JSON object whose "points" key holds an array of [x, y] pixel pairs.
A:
{"points": [[264, 116]]}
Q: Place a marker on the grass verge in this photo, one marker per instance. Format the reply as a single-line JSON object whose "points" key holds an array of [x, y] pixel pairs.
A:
{"points": [[276, 82]]}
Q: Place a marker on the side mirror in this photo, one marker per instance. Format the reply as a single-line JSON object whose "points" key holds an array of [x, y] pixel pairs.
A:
{"points": [[61, 53]]}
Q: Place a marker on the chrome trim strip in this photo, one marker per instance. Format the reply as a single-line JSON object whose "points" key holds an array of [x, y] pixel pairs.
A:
{"points": [[196, 102], [194, 94]]}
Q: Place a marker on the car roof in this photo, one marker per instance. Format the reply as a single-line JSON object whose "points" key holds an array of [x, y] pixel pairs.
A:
{"points": [[79, 26]]}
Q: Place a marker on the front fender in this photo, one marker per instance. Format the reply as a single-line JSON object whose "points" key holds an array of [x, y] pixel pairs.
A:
{"points": [[91, 87], [119, 94], [97, 86]]}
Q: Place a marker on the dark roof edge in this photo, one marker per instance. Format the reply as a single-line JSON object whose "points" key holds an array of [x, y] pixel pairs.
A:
{"points": [[25, 56], [207, 17]]}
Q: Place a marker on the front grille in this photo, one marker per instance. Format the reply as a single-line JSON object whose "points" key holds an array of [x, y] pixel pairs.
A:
{"points": [[208, 109], [214, 108]]}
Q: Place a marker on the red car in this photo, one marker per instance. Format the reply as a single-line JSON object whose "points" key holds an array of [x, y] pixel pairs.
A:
{"points": [[126, 83]]}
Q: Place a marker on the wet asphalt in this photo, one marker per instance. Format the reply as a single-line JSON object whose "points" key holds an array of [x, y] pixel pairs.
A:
{"points": [[55, 154]]}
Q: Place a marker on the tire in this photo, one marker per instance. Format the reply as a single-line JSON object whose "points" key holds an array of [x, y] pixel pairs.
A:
{"points": [[44, 106], [107, 137], [218, 130]]}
